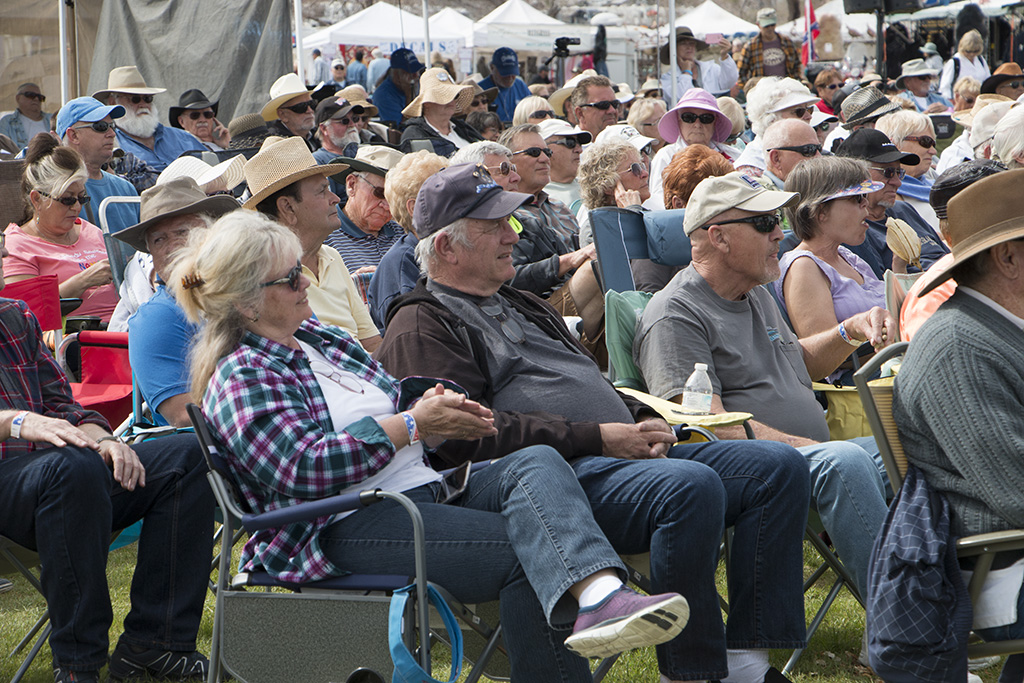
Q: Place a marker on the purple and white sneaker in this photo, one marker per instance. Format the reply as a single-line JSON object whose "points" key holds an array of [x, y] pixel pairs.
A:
{"points": [[626, 620]]}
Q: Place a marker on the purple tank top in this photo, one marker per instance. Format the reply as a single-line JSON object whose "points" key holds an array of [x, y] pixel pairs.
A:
{"points": [[848, 297]]}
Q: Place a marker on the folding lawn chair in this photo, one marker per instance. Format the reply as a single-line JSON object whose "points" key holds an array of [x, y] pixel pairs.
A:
{"points": [[624, 234]]}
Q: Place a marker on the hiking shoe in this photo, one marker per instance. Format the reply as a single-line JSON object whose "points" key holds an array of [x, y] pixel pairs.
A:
{"points": [[62, 675], [626, 620], [129, 662]]}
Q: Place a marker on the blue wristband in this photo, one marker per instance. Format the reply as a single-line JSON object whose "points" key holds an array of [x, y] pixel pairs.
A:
{"points": [[410, 425]]}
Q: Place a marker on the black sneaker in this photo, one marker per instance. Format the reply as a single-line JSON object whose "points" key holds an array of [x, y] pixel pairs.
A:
{"points": [[62, 675], [129, 662]]}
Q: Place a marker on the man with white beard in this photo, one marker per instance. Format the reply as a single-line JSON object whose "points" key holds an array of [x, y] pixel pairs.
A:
{"points": [[335, 128], [139, 131]]}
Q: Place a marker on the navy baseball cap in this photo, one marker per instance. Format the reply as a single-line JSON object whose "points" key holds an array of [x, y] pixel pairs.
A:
{"points": [[86, 110], [505, 61], [405, 59], [461, 191]]}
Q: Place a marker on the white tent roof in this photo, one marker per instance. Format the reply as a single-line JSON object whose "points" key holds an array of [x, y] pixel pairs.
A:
{"points": [[862, 24], [710, 18], [518, 12], [379, 23], [450, 20]]}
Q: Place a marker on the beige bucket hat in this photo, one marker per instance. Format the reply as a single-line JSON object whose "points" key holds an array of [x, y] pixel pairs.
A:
{"points": [[279, 163], [437, 87], [127, 80], [283, 89]]}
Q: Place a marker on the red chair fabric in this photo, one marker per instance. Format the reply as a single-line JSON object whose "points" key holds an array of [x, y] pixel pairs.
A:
{"points": [[42, 296], [106, 385]]}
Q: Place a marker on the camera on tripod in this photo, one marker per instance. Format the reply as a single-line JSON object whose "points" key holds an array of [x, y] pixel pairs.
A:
{"points": [[562, 45]]}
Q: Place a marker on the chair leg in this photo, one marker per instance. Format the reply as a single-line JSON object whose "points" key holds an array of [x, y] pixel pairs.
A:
{"points": [[604, 667], [815, 623], [30, 657], [28, 636]]}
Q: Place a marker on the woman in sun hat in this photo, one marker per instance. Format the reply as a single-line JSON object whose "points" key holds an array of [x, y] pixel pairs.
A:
{"points": [[439, 100], [688, 123]]}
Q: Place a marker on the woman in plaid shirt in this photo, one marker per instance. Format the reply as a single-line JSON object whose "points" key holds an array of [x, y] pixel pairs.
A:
{"points": [[277, 388]]}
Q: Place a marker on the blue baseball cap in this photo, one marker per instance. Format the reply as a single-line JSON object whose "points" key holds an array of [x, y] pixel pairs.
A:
{"points": [[86, 109], [505, 61], [405, 59]]}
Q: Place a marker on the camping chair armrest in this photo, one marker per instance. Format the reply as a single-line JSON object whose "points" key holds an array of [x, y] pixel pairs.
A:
{"points": [[996, 541], [304, 512]]}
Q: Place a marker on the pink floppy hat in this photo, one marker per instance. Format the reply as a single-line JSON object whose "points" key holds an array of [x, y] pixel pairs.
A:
{"points": [[695, 98]]}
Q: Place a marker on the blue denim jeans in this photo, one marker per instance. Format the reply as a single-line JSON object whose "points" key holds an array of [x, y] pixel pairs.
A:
{"points": [[677, 508], [848, 489], [64, 503], [521, 532]]}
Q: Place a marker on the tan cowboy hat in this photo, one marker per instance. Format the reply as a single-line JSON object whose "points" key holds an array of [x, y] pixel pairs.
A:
{"points": [[989, 212], [279, 163], [437, 87], [283, 89], [491, 93], [225, 176], [650, 85], [965, 117], [356, 96], [127, 80], [176, 197], [1009, 71], [378, 159], [558, 98]]}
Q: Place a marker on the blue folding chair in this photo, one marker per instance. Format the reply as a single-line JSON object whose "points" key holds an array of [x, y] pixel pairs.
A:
{"points": [[624, 234]]}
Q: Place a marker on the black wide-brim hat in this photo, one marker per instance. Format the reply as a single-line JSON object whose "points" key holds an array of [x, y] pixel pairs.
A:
{"points": [[190, 99], [682, 32]]}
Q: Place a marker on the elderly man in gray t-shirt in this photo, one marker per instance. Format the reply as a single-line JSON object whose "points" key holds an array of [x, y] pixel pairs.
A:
{"points": [[715, 312]]}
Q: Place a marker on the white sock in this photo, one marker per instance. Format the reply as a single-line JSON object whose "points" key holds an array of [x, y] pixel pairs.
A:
{"points": [[598, 589], [747, 666]]}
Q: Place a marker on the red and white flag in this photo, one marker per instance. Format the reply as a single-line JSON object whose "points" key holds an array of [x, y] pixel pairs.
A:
{"points": [[811, 31]]}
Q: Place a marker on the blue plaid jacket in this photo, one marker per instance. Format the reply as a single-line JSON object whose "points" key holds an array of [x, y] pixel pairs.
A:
{"points": [[266, 407]]}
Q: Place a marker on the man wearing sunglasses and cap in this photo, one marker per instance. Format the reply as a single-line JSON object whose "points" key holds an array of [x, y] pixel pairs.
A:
{"points": [[715, 312], [886, 162], [28, 118], [513, 353], [139, 130]]}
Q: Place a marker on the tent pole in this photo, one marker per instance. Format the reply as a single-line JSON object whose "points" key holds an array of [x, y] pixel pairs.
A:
{"points": [[426, 33], [62, 30], [673, 63], [298, 41]]}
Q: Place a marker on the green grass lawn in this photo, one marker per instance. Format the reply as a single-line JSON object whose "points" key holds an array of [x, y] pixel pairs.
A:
{"points": [[830, 658]]}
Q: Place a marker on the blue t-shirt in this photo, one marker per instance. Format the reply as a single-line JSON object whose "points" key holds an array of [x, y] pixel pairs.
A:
{"points": [[396, 274], [508, 97], [119, 216], [168, 145], [390, 101], [159, 338]]}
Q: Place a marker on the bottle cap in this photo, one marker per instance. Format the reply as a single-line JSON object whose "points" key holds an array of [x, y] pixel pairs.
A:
{"points": [[700, 366]]}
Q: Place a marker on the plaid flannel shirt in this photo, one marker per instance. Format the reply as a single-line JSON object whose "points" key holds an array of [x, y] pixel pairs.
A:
{"points": [[751, 60], [265, 405], [30, 378]]}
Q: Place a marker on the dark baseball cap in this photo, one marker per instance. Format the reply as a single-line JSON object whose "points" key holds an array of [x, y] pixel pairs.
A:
{"points": [[461, 191], [874, 145], [405, 59], [958, 178], [335, 108], [505, 61]]}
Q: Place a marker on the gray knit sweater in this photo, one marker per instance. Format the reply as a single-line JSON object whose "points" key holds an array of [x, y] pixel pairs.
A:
{"points": [[959, 407]]}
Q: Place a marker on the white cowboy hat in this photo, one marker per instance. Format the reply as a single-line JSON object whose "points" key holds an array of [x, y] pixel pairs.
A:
{"points": [[283, 89], [127, 80]]}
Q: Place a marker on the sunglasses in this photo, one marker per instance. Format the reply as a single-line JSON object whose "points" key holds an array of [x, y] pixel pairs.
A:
{"points": [[512, 330], [568, 143], [504, 168], [764, 223], [1013, 84], [807, 151], [291, 279], [690, 117], [636, 169], [824, 126], [135, 99], [98, 126], [478, 102], [926, 141], [34, 96], [195, 115], [542, 114], [82, 199], [603, 105], [301, 107], [365, 118], [378, 192], [344, 120], [800, 111], [534, 152], [890, 173], [832, 86]]}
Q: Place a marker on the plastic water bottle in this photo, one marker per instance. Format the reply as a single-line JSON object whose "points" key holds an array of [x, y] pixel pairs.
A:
{"points": [[697, 391]]}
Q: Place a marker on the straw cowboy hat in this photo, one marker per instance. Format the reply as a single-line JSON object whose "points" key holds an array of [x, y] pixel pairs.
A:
{"points": [[225, 176], [247, 131], [491, 93], [177, 197], [127, 80], [356, 96], [966, 117], [283, 89], [279, 163], [915, 67], [989, 212], [378, 159], [437, 87], [650, 85]]}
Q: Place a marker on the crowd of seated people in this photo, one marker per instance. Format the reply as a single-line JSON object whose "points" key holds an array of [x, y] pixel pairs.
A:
{"points": [[422, 226]]}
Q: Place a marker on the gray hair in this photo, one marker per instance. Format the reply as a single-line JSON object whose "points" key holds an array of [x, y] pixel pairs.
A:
{"points": [[779, 134], [527, 106], [815, 179], [509, 135], [1008, 141], [765, 96], [900, 125], [475, 153], [641, 109], [426, 253]]}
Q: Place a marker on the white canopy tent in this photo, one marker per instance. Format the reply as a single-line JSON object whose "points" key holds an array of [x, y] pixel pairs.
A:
{"points": [[386, 25], [708, 17], [451, 22], [517, 25]]}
